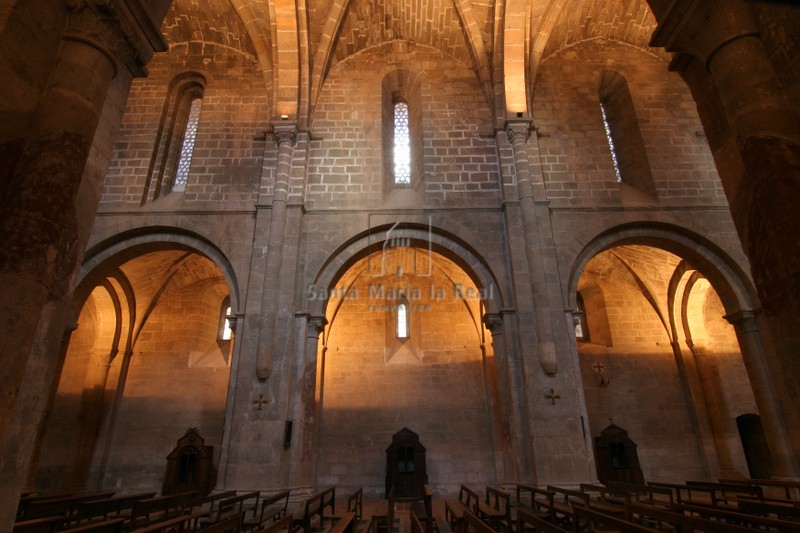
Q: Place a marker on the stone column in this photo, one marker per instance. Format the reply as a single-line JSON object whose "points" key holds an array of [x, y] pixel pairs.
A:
{"points": [[517, 465], [39, 223], [286, 134], [711, 393], [769, 406], [760, 119], [306, 408], [518, 132]]}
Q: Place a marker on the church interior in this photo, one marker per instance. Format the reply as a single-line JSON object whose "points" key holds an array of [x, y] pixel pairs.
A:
{"points": [[398, 248]]}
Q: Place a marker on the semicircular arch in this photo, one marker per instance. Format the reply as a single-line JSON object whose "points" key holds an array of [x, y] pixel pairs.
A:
{"points": [[729, 280], [116, 250], [415, 235]]}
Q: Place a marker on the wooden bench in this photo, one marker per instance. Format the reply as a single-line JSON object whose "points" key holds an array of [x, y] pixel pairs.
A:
{"points": [[107, 508], [790, 489], [751, 521], [423, 510], [229, 525], [314, 507], [272, 508], [66, 506], [344, 523], [539, 502], [606, 500], [646, 494], [285, 524], [698, 495], [729, 492], [564, 501], [384, 523], [527, 518], [114, 525], [769, 508], [495, 510], [181, 521], [677, 521], [151, 510], [355, 504], [587, 519], [473, 524], [454, 509], [47, 524]]}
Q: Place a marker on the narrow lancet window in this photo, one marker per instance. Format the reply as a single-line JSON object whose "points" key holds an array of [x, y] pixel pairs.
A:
{"points": [[614, 156], [402, 145], [402, 320], [227, 332], [187, 147]]}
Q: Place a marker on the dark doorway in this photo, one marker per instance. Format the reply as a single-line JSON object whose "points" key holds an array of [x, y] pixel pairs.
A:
{"points": [[754, 443]]}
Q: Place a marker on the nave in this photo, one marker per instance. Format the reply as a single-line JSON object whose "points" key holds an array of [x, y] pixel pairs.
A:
{"points": [[723, 506]]}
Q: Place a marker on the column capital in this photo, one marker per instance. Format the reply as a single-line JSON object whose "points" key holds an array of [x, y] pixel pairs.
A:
{"points": [[121, 30], [494, 322], [743, 321], [316, 325], [518, 130], [700, 27], [285, 133]]}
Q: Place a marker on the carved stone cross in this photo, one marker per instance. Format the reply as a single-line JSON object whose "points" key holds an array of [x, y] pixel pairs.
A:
{"points": [[260, 401], [552, 396]]}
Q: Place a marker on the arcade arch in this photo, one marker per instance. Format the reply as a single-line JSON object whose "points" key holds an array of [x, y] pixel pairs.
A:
{"points": [[440, 381], [664, 312], [145, 362]]}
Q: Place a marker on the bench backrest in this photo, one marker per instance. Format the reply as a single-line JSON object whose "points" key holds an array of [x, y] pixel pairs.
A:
{"points": [[468, 497], [679, 521], [590, 518], [473, 524], [540, 499], [571, 497], [355, 503], [526, 518]]}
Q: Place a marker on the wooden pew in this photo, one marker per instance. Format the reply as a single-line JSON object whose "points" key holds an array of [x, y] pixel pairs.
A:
{"points": [[115, 525], [677, 521], [423, 510], [729, 492], [646, 494], [272, 508], [454, 509], [539, 502], [790, 489], [496, 509], [526, 518], [47, 524], [737, 518], [148, 511], [769, 508], [66, 506], [314, 507], [355, 504], [239, 505], [285, 524], [344, 523], [384, 523], [564, 501], [229, 525], [174, 523], [105, 509], [608, 501], [587, 519], [697, 495], [473, 524]]}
